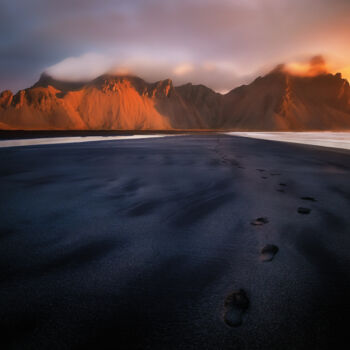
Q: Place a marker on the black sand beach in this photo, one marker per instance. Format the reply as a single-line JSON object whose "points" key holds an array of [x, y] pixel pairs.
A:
{"points": [[186, 242]]}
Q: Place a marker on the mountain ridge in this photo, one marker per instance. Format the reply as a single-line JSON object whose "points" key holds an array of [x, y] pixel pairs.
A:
{"points": [[277, 101]]}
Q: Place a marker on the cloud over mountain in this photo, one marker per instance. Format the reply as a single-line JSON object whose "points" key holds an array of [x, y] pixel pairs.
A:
{"points": [[237, 38], [279, 100]]}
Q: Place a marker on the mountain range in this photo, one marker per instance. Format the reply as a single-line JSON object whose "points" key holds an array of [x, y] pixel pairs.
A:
{"points": [[278, 101]]}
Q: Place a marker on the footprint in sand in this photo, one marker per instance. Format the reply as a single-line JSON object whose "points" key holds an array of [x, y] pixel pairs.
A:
{"points": [[304, 211], [236, 304], [283, 184], [311, 199], [261, 170], [259, 221], [268, 252], [264, 177], [281, 190], [275, 174]]}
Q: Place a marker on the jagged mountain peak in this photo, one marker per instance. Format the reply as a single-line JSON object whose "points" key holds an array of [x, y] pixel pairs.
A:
{"points": [[279, 100], [47, 80]]}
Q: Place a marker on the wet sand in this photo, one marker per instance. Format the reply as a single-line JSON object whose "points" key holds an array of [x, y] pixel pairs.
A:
{"points": [[187, 242]]}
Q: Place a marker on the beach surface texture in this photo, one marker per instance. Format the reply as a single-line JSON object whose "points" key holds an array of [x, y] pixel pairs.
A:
{"points": [[187, 242]]}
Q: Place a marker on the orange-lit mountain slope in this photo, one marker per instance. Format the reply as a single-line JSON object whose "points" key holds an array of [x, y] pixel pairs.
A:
{"points": [[277, 101], [282, 101]]}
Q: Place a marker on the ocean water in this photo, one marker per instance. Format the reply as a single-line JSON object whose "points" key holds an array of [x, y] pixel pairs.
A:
{"points": [[325, 139], [77, 139]]}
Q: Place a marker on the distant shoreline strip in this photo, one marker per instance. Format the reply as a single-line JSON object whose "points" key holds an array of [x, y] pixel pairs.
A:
{"points": [[75, 139], [324, 139]]}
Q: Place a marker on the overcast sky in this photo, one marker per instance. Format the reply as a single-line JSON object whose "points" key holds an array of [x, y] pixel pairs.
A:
{"points": [[220, 43]]}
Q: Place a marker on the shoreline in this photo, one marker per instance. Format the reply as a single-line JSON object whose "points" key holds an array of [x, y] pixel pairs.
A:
{"points": [[78, 139], [325, 139]]}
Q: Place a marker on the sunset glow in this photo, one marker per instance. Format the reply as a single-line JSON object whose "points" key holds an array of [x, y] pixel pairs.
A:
{"points": [[174, 174], [346, 73], [317, 65], [221, 43]]}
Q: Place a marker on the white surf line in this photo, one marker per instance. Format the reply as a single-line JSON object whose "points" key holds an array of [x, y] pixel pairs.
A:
{"points": [[324, 139], [75, 139]]}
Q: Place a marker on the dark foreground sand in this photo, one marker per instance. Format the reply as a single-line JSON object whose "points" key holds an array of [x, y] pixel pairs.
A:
{"points": [[140, 244]]}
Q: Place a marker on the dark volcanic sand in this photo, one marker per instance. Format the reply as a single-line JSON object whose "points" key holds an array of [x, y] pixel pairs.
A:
{"points": [[137, 244]]}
